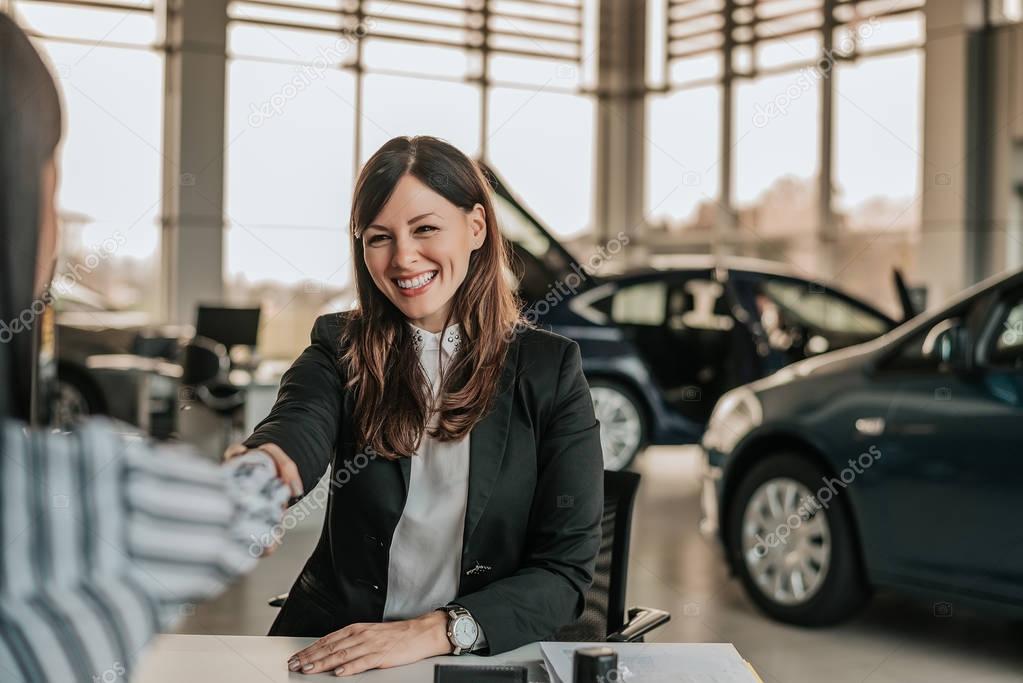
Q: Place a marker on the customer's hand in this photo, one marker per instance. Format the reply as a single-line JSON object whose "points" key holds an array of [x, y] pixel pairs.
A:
{"points": [[287, 471], [361, 647]]}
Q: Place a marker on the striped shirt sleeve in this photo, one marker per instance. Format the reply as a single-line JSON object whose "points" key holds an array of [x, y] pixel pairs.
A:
{"points": [[105, 538]]}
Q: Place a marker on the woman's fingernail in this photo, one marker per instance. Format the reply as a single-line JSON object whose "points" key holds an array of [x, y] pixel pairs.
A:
{"points": [[338, 671], [307, 667], [294, 664]]}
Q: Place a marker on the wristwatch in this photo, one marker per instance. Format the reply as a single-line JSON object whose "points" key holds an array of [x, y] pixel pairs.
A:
{"points": [[463, 631]]}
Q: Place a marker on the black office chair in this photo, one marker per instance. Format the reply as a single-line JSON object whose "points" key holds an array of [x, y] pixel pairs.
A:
{"points": [[603, 619], [204, 369], [205, 385]]}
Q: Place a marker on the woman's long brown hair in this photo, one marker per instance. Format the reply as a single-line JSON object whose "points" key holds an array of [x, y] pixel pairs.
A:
{"points": [[392, 402]]}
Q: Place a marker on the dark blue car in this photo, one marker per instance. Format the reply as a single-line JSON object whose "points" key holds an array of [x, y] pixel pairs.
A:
{"points": [[895, 463], [659, 347]]}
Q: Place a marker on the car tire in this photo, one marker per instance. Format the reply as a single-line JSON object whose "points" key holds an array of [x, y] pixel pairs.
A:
{"points": [[819, 544], [78, 395], [623, 425]]}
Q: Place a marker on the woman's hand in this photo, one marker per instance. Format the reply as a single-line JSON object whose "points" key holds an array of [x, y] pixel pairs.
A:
{"points": [[361, 647], [287, 471]]}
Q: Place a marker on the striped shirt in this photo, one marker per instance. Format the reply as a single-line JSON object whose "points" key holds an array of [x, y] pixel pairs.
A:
{"points": [[107, 540]]}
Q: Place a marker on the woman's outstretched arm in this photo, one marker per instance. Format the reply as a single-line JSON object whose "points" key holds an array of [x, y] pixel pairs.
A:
{"points": [[303, 424]]}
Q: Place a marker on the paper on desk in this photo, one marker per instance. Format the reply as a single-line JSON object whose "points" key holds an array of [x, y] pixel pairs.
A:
{"points": [[643, 662]]}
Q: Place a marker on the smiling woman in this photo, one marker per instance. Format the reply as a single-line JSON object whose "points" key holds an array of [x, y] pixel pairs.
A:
{"points": [[427, 254], [474, 429]]}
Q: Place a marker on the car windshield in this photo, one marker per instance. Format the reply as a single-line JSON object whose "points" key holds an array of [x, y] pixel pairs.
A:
{"points": [[822, 310], [518, 228]]}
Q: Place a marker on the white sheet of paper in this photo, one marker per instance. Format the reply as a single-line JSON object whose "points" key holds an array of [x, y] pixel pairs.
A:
{"points": [[643, 662]]}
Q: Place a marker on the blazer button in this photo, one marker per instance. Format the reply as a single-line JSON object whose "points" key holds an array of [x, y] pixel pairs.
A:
{"points": [[366, 582]]}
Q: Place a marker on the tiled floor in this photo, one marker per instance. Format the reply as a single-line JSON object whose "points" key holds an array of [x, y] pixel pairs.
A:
{"points": [[895, 640]]}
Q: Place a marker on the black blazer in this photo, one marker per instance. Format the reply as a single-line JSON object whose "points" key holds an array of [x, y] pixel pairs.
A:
{"points": [[535, 499]]}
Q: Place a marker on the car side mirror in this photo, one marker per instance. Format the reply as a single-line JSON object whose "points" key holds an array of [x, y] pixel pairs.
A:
{"points": [[946, 343]]}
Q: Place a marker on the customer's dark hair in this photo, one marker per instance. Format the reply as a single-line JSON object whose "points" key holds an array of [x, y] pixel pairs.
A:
{"points": [[30, 129]]}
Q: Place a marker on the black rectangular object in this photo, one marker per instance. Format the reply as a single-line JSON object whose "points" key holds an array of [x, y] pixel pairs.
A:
{"points": [[229, 326], [450, 673]]}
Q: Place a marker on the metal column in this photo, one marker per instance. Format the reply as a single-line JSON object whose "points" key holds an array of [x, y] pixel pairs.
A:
{"points": [[621, 118], [192, 247]]}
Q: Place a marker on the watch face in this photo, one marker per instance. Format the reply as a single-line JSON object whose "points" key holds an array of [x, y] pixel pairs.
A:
{"points": [[464, 631]]}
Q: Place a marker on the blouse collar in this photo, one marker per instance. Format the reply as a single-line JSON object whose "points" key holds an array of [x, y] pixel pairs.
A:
{"points": [[450, 339]]}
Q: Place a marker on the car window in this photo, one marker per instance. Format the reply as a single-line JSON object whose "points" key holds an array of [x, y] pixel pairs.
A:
{"points": [[643, 303], [819, 309], [1007, 343], [699, 303]]}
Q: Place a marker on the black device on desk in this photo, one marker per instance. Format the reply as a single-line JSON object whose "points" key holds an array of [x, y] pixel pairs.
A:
{"points": [[229, 326], [450, 673]]}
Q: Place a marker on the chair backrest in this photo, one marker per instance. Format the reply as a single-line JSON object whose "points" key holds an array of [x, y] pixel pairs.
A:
{"points": [[202, 361], [605, 600]]}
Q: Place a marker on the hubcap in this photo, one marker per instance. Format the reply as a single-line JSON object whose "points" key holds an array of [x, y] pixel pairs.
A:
{"points": [[71, 405], [620, 426], [786, 541]]}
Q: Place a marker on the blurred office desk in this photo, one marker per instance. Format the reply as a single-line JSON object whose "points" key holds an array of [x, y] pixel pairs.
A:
{"points": [[144, 372], [243, 659]]}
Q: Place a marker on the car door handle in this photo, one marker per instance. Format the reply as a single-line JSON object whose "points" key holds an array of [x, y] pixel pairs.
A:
{"points": [[870, 426]]}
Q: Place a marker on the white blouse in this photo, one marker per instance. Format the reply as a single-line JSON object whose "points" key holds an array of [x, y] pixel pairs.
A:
{"points": [[426, 550]]}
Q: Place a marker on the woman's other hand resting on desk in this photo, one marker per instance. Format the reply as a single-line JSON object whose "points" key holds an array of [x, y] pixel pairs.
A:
{"points": [[287, 471], [361, 647]]}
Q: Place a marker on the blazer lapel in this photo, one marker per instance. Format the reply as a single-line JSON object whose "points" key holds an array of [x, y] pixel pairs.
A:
{"points": [[487, 442]]}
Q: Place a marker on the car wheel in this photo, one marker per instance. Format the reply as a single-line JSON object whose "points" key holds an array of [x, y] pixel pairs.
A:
{"points": [[77, 397], [622, 423], [798, 560]]}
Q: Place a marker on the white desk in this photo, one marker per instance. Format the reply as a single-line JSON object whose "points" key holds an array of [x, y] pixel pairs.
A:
{"points": [[259, 659]]}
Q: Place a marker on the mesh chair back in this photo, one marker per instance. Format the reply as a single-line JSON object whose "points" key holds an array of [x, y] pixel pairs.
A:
{"points": [[605, 600]]}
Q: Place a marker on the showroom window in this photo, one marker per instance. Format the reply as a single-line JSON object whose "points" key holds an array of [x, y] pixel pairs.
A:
{"points": [[747, 99], [110, 215], [503, 80], [776, 124], [682, 188]]}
